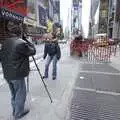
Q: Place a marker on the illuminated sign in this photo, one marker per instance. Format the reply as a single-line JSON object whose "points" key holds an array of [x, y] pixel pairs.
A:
{"points": [[16, 6], [9, 15], [42, 16], [31, 9]]}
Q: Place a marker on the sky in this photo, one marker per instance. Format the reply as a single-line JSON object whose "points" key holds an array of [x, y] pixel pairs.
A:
{"points": [[66, 6], [86, 16]]}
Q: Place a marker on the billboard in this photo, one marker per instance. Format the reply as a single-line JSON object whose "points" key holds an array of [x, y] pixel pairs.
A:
{"points": [[50, 10], [42, 15], [56, 7], [4, 13], [103, 17], [118, 10], [15, 6], [31, 9]]}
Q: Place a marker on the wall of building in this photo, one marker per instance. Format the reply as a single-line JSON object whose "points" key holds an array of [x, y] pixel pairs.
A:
{"points": [[50, 10], [76, 13], [116, 26], [56, 10]]}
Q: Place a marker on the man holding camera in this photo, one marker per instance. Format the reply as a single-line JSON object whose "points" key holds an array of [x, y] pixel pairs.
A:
{"points": [[14, 57]]}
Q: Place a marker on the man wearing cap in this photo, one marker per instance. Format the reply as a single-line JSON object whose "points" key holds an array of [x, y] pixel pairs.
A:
{"points": [[14, 57]]}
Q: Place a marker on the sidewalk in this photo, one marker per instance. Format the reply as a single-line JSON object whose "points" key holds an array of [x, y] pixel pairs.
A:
{"points": [[40, 106]]}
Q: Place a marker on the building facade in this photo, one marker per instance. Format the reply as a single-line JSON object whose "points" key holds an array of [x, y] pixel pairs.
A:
{"points": [[103, 16], [108, 19], [116, 24], [76, 16], [36, 17], [93, 24], [56, 10]]}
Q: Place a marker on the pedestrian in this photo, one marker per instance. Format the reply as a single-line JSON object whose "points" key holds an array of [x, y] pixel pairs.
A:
{"points": [[53, 53], [14, 57]]}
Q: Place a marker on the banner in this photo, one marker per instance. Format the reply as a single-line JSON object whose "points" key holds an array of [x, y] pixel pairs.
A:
{"points": [[15, 6], [42, 16], [56, 7], [31, 9], [10, 15], [118, 10]]}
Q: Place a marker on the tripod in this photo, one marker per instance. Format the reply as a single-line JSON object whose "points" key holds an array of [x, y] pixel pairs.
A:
{"points": [[42, 79], [49, 95]]}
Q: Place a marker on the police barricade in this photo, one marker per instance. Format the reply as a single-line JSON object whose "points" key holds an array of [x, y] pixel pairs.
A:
{"points": [[101, 51]]}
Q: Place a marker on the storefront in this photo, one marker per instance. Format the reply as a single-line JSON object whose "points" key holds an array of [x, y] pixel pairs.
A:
{"points": [[13, 11], [35, 16]]}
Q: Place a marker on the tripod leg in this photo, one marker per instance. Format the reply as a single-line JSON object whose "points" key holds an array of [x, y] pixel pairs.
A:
{"points": [[42, 79], [28, 84]]}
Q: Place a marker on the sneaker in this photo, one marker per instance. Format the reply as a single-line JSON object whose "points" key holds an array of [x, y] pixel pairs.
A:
{"points": [[22, 115], [44, 77], [54, 78]]}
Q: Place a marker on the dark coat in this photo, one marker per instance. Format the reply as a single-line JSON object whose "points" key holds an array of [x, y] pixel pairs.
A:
{"points": [[52, 49], [14, 57]]}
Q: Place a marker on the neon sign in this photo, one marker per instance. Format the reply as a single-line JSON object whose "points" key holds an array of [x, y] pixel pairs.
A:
{"points": [[17, 6]]}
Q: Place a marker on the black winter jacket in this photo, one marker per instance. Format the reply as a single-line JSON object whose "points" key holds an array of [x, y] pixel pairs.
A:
{"points": [[52, 49], [14, 57]]}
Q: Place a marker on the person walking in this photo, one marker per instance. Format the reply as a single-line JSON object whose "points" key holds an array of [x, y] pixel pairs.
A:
{"points": [[53, 53], [14, 57]]}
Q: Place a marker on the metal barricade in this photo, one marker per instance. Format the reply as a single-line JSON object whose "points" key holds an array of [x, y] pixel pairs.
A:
{"points": [[99, 52]]}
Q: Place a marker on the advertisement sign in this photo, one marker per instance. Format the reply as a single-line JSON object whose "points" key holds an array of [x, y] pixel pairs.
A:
{"points": [[50, 10], [118, 10], [10, 15], [103, 17], [56, 7], [42, 16], [31, 9], [30, 21], [14, 6], [49, 26], [76, 7]]}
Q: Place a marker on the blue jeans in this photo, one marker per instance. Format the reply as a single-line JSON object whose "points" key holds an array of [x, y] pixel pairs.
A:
{"points": [[49, 60], [18, 93]]}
